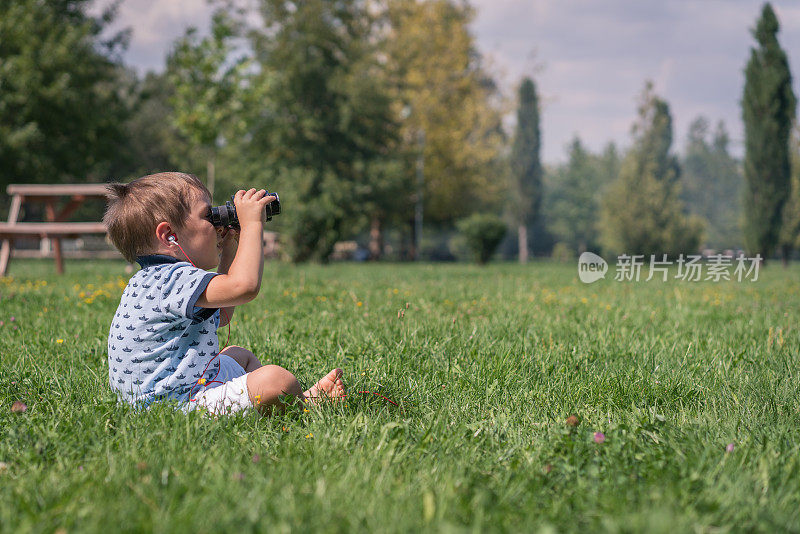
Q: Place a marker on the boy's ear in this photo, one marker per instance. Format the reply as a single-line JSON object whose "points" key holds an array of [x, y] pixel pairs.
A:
{"points": [[163, 233]]}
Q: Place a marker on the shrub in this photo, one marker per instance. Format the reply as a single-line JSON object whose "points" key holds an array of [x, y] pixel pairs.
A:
{"points": [[562, 252], [483, 233]]}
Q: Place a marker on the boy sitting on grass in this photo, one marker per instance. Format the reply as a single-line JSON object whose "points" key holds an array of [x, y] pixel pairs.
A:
{"points": [[163, 342]]}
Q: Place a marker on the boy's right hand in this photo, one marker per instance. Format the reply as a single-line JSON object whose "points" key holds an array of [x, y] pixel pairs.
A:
{"points": [[250, 206], [242, 281]]}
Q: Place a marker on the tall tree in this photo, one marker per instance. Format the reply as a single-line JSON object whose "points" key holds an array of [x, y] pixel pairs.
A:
{"points": [[325, 121], [526, 167], [768, 108], [154, 144], [444, 95], [60, 108], [790, 227], [712, 184], [209, 88], [573, 196], [642, 212]]}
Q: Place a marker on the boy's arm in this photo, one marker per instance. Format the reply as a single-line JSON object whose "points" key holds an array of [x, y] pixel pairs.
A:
{"points": [[243, 280], [230, 240]]}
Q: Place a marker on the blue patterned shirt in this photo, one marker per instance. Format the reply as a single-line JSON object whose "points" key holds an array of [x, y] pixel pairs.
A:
{"points": [[161, 344]]}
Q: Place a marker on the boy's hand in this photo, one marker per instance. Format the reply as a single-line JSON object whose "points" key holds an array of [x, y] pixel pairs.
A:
{"points": [[230, 242], [250, 206], [240, 281]]}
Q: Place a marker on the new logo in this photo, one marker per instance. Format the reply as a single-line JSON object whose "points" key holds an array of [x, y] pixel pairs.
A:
{"points": [[591, 267]]}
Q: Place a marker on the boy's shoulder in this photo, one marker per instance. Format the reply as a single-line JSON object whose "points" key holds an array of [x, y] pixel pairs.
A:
{"points": [[170, 286]]}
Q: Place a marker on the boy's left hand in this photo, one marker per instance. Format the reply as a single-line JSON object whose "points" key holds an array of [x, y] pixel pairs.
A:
{"points": [[230, 242]]}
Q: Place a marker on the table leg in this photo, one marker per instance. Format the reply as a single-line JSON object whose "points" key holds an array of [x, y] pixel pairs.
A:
{"points": [[56, 242], [50, 212], [5, 255], [5, 249]]}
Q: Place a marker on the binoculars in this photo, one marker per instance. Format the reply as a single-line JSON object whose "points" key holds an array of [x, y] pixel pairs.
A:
{"points": [[224, 216]]}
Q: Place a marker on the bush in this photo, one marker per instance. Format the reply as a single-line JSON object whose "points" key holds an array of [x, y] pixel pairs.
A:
{"points": [[483, 234], [562, 252]]}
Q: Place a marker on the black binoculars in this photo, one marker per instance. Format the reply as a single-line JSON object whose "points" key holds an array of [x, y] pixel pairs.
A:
{"points": [[226, 215]]}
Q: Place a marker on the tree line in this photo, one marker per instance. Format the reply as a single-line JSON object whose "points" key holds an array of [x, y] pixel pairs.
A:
{"points": [[375, 119], [650, 201]]}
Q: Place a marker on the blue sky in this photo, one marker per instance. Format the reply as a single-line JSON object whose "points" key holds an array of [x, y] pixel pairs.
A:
{"points": [[590, 58]]}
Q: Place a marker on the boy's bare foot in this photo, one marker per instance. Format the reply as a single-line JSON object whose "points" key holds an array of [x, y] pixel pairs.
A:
{"points": [[329, 386]]}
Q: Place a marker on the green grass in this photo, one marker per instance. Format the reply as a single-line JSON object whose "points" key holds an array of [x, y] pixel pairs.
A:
{"points": [[487, 364]]}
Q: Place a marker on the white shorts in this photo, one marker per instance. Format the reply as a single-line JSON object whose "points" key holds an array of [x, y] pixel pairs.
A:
{"points": [[231, 395]]}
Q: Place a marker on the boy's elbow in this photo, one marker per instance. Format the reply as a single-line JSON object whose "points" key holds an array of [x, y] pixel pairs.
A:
{"points": [[231, 290], [249, 290]]}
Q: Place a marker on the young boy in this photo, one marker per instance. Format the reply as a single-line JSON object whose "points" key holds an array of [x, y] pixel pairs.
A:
{"points": [[163, 342]]}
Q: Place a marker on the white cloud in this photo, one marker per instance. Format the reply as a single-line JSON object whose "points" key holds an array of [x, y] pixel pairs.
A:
{"points": [[156, 24]]}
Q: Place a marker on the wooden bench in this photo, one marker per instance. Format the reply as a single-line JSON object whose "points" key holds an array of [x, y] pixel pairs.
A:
{"points": [[55, 227]]}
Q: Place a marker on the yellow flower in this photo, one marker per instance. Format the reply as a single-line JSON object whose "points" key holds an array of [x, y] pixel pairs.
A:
{"points": [[359, 304], [59, 341], [310, 435]]}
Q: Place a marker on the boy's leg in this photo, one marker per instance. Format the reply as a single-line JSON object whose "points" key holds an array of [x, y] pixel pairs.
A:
{"points": [[243, 357], [268, 383]]}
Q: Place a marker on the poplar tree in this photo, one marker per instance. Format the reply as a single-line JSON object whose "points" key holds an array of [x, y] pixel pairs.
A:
{"points": [[768, 108], [790, 227], [526, 167]]}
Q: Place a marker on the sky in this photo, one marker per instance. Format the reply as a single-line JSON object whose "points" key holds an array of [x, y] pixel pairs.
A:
{"points": [[590, 59]]}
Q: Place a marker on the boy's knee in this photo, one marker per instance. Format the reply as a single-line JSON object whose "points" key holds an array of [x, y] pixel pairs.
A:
{"points": [[272, 381]]}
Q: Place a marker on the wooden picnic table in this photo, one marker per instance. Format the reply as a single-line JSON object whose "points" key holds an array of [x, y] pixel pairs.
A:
{"points": [[55, 226]]}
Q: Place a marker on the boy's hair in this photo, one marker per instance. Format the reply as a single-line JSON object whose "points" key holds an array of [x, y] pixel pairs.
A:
{"points": [[135, 209]]}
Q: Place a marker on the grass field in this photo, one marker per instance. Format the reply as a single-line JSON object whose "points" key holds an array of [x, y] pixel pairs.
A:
{"points": [[694, 387]]}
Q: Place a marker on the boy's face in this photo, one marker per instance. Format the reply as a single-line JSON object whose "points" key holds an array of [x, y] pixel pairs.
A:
{"points": [[200, 239]]}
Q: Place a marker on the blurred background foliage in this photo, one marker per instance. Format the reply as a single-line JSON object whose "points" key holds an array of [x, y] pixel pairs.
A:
{"points": [[372, 116]]}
